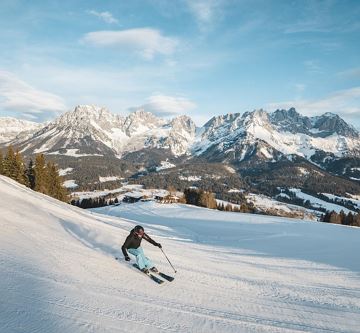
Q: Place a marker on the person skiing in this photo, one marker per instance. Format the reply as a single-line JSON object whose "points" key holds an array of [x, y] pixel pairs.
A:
{"points": [[132, 244]]}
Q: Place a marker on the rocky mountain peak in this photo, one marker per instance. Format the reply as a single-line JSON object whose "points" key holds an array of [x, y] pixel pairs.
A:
{"points": [[256, 119], [183, 123], [331, 123], [290, 121]]}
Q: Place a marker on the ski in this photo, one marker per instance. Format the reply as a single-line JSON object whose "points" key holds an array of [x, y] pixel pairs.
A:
{"points": [[151, 276], [166, 277]]}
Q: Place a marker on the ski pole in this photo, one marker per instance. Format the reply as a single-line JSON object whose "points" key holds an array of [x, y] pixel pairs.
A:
{"points": [[168, 260]]}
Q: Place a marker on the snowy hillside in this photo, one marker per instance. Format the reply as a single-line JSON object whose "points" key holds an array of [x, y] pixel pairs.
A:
{"points": [[236, 272]]}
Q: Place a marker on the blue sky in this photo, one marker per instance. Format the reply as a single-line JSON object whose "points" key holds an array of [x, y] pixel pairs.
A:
{"points": [[170, 57]]}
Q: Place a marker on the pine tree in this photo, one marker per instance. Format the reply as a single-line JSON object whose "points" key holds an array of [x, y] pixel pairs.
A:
{"points": [[349, 220], [40, 174], [30, 175], [228, 208], [1, 163], [19, 169], [342, 217], [326, 217], [54, 182], [335, 218], [9, 168], [356, 220]]}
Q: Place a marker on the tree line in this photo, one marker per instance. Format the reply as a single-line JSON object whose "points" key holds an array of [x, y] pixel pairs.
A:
{"points": [[199, 197], [94, 202], [41, 176], [342, 218]]}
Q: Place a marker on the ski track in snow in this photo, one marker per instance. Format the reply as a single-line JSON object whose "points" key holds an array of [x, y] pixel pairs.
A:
{"points": [[58, 272]]}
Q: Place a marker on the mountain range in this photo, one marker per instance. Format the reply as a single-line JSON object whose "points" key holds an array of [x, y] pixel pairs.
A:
{"points": [[248, 144]]}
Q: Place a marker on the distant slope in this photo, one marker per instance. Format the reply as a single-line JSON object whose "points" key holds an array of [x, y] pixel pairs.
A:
{"points": [[236, 272]]}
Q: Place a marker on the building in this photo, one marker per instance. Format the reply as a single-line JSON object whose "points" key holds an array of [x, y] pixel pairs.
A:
{"points": [[132, 197]]}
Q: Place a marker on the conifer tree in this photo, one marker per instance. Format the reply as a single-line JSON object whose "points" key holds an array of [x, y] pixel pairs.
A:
{"points": [[356, 220], [335, 218], [19, 169], [54, 183], [1, 163], [342, 217], [30, 174], [40, 174], [9, 168]]}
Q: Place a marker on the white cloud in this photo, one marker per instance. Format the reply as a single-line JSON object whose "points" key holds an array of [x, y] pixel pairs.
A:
{"points": [[205, 11], [166, 106], [105, 16], [145, 41], [344, 103], [18, 96]]}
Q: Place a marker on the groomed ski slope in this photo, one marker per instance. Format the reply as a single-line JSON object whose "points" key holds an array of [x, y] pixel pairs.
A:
{"points": [[236, 272]]}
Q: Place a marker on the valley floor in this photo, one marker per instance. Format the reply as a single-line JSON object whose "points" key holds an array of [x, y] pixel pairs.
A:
{"points": [[236, 272]]}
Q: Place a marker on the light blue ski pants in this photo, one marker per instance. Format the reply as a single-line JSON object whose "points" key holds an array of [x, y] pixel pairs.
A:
{"points": [[141, 260]]}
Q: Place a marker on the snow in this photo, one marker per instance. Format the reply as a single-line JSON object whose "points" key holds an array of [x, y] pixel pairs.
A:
{"points": [[135, 195], [11, 128], [266, 153], [236, 272], [355, 201], [64, 172], [316, 202], [95, 194], [265, 204], [225, 203], [234, 190], [108, 179], [165, 165], [70, 183], [230, 169], [303, 171], [72, 153], [190, 178], [42, 149]]}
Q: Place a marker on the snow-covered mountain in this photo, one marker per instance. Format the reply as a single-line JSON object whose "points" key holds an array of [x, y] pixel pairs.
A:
{"points": [[94, 130], [12, 128], [91, 135], [235, 272], [238, 136], [91, 130]]}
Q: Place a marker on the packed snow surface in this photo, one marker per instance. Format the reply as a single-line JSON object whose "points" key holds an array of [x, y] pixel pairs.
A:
{"points": [[236, 272]]}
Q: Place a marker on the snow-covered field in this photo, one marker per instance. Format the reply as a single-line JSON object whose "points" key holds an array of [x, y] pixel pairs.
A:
{"points": [[316, 202], [236, 272]]}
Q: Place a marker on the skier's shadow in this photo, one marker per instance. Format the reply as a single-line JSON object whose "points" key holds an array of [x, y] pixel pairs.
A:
{"points": [[89, 238]]}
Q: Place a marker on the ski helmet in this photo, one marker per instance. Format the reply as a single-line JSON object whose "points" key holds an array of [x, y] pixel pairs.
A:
{"points": [[139, 229]]}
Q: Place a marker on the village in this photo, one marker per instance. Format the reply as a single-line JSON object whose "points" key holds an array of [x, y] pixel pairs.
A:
{"points": [[127, 194]]}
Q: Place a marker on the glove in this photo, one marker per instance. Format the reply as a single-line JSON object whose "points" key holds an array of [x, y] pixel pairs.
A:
{"points": [[159, 245], [127, 258]]}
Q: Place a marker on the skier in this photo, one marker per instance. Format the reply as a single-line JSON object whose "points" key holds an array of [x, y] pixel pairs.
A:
{"points": [[132, 244]]}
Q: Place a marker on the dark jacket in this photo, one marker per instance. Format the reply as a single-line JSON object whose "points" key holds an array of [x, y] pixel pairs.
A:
{"points": [[133, 242]]}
